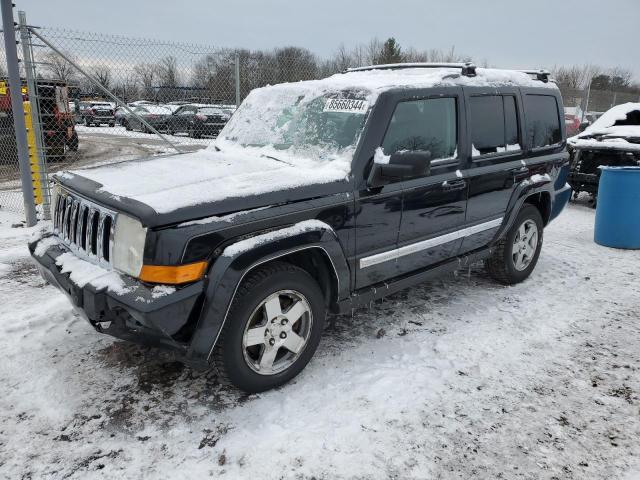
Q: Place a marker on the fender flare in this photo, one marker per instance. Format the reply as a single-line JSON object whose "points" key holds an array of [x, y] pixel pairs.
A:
{"points": [[229, 269], [523, 191]]}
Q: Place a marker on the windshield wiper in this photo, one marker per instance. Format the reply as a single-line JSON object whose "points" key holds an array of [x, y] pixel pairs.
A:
{"points": [[277, 160]]}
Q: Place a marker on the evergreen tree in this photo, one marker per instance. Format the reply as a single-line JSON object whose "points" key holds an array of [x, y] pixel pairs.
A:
{"points": [[391, 52]]}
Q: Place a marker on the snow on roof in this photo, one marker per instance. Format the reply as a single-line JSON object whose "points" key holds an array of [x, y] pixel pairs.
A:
{"points": [[378, 81], [610, 135]]}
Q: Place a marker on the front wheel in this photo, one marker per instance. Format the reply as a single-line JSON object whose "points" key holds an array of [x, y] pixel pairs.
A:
{"points": [[273, 328], [516, 255]]}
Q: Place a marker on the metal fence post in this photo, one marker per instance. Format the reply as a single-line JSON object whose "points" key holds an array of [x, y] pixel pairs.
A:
{"points": [[34, 99], [15, 86], [237, 79]]}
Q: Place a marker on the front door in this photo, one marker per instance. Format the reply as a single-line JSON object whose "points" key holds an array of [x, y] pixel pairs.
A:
{"points": [[433, 206]]}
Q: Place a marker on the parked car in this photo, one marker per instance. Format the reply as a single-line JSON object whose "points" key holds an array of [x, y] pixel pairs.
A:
{"points": [[154, 115], [612, 140], [572, 118], [198, 120], [317, 197], [98, 113]]}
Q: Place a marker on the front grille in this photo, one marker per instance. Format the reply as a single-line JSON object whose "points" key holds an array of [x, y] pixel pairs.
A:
{"points": [[88, 229]]}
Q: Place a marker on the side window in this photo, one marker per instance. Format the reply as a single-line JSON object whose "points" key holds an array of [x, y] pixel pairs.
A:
{"points": [[543, 124], [494, 125], [418, 125]]}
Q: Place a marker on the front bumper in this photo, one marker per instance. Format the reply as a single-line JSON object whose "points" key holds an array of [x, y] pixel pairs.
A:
{"points": [[141, 315]]}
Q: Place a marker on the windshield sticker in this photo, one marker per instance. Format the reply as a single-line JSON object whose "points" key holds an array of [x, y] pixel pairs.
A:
{"points": [[346, 105]]}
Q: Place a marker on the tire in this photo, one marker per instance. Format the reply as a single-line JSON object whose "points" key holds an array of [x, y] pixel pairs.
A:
{"points": [[87, 122], [127, 127], [503, 265], [112, 124], [238, 362]]}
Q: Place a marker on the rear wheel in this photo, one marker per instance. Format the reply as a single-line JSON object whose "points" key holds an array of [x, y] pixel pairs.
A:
{"points": [[87, 122], [273, 328], [516, 255]]}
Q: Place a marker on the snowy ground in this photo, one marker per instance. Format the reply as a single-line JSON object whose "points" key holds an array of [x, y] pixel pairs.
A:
{"points": [[458, 378]]}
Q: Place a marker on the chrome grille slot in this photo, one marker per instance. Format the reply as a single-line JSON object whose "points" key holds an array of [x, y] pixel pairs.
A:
{"points": [[85, 227]]}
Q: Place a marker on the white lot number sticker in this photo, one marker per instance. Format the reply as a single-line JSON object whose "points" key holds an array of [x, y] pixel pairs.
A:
{"points": [[346, 105]]}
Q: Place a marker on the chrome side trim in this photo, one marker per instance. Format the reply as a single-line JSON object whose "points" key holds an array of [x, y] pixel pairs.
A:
{"points": [[426, 244]]}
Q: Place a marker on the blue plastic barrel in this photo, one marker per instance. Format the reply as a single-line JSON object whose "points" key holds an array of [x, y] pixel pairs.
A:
{"points": [[618, 208]]}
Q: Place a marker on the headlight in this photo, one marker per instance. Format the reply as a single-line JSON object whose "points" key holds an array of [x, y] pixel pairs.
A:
{"points": [[128, 245]]}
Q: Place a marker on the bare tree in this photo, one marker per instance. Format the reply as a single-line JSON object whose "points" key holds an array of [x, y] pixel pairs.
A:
{"points": [[145, 74], [103, 75], [577, 77], [168, 71], [58, 67]]}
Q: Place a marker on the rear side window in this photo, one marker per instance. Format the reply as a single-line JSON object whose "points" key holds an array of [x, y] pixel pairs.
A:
{"points": [[494, 125], [418, 125], [543, 123]]}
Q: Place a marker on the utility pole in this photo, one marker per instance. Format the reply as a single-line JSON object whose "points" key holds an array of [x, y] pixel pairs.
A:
{"points": [[237, 79], [15, 89]]}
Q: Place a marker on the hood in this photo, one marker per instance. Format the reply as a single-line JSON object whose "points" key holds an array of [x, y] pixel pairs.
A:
{"points": [[178, 188], [617, 129]]}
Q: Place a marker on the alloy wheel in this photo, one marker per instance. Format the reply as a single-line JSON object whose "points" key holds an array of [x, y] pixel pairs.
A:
{"points": [[525, 244], [277, 332]]}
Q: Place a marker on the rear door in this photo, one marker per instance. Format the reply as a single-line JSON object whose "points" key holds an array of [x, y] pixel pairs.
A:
{"points": [[496, 161]]}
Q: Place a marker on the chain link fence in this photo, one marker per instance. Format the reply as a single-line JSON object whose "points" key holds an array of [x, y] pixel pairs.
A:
{"points": [[105, 98], [96, 98], [598, 100]]}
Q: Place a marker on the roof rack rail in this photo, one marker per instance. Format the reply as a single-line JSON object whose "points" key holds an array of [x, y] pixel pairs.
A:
{"points": [[468, 69], [542, 75]]}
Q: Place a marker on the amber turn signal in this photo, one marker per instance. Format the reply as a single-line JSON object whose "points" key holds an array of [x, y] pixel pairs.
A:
{"points": [[173, 274]]}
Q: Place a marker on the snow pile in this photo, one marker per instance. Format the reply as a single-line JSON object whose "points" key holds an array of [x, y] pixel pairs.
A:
{"points": [[380, 157], [604, 133], [82, 273], [253, 242]]}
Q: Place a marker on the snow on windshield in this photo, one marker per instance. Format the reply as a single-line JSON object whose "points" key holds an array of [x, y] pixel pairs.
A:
{"points": [[296, 121]]}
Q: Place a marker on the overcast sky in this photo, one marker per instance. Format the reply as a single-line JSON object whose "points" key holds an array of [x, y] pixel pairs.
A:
{"points": [[507, 33]]}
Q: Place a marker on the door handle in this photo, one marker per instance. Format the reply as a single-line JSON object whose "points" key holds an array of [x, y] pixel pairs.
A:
{"points": [[453, 185], [520, 174]]}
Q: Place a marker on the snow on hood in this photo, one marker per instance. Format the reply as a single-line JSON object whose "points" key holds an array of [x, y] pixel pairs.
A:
{"points": [[169, 183], [607, 134]]}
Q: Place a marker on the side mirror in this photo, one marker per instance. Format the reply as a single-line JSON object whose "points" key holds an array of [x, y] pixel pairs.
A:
{"points": [[402, 165]]}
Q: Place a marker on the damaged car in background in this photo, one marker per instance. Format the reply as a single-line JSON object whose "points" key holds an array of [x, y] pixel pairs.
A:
{"points": [[613, 141]]}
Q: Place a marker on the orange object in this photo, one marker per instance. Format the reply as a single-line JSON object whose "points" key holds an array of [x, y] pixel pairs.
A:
{"points": [[174, 274]]}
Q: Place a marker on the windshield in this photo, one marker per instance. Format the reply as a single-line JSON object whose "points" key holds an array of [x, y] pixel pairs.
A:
{"points": [[294, 121]]}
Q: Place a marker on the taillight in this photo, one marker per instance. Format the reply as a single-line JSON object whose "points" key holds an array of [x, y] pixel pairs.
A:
{"points": [[91, 111], [152, 116], [201, 117]]}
